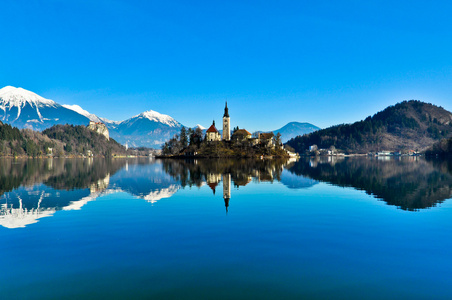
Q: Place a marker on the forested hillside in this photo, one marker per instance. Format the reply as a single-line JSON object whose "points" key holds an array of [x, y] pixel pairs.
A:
{"points": [[79, 139], [59, 140], [404, 126]]}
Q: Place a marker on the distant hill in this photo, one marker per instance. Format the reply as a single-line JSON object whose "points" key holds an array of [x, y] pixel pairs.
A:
{"points": [[408, 125], [294, 129]]}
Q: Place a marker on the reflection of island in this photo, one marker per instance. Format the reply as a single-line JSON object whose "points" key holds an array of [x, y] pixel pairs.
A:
{"points": [[230, 172], [410, 183], [33, 189]]}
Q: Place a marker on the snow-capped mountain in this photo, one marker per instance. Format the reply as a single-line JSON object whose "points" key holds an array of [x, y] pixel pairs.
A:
{"points": [[200, 127], [83, 112], [150, 129], [25, 109]]}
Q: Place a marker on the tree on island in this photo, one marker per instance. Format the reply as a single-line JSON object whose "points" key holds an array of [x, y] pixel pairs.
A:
{"points": [[183, 137]]}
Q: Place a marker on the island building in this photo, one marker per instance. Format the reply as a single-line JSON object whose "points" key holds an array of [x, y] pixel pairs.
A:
{"points": [[212, 134], [239, 135], [226, 124], [212, 180]]}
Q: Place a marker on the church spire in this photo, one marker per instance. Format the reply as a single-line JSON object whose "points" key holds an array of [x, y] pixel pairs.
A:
{"points": [[226, 111]]}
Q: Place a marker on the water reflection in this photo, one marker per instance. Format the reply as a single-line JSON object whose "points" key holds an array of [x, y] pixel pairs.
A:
{"points": [[410, 183], [33, 189]]}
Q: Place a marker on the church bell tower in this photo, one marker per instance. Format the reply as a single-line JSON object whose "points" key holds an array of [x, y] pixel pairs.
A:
{"points": [[226, 124]]}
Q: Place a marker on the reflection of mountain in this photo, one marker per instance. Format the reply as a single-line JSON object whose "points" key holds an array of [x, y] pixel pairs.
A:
{"points": [[33, 189], [146, 181], [25, 206], [38, 188], [161, 193], [293, 181], [409, 183]]}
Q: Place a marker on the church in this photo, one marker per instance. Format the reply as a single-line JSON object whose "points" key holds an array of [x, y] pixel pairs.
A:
{"points": [[212, 134], [239, 135]]}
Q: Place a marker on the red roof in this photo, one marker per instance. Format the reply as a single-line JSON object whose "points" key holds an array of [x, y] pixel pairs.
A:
{"points": [[242, 132], [266, 135], [212, 129]]}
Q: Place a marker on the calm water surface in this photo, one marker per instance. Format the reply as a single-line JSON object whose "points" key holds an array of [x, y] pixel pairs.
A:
{"points": [[140, 228]]}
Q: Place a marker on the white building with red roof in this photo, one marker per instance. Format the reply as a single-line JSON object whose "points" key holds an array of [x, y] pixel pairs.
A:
{"points": [[212, 134]]}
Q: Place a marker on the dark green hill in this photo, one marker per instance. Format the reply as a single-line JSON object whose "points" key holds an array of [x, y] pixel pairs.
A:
{"points": [[14, 142], [62, 139], [408, 125], [80, 139]]}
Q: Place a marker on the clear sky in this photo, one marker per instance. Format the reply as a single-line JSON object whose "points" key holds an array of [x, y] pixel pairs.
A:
{"points": [[322, 62]]}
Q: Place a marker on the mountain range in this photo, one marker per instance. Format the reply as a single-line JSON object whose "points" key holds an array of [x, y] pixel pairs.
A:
{"points": [[24, 109]]}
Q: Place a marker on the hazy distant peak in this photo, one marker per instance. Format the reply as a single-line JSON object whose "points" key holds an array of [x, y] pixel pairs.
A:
{"points": [[107, 121]]}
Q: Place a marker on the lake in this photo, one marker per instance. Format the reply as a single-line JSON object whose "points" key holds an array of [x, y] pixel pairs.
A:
{"points": [[320, 228]]}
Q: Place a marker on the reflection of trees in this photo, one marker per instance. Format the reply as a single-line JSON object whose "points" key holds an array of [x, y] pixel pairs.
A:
{"points": [[81, 173], [33, 189], [195, 172], [409, 183], [58, 173]]}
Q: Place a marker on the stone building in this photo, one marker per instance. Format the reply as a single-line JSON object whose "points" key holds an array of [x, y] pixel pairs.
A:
{"points": [[267, 139], [226, 124], [241, 135]]}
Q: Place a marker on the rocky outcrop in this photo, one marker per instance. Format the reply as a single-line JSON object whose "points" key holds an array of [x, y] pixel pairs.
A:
{"points": [[99, 128]]}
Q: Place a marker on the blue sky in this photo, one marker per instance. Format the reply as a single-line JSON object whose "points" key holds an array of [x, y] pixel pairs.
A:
{"points": [[322, 62]]}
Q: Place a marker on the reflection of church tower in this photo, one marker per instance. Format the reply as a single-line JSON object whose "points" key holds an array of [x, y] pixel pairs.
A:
{"points": [[226, 124], [226, 189]]}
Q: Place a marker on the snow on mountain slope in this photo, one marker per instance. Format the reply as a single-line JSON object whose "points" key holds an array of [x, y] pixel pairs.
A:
{"points": [[150, 129], [25, 109], [158, 117], [83, 112], [109, 122], [12, 96]]}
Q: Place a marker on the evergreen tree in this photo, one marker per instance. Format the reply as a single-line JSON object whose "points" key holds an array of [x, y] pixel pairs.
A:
{"points": [[183, 137]]}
